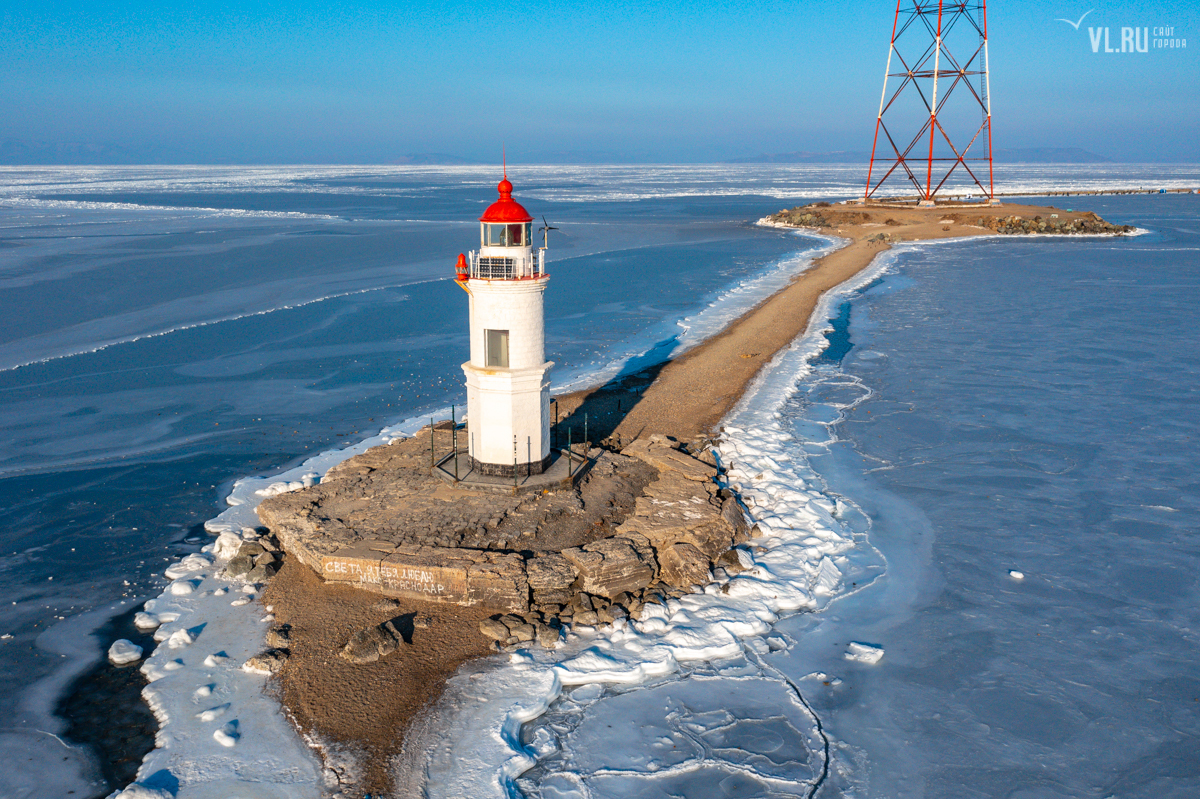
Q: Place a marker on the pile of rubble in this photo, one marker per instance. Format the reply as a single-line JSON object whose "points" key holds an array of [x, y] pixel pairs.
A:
{"points": [[1088, 224]]}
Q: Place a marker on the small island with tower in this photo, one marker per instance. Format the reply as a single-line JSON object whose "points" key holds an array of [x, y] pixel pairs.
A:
{"points": [[510, 527]]}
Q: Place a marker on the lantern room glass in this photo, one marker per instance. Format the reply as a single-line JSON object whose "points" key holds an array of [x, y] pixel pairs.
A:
{"points": [[517, 235]]}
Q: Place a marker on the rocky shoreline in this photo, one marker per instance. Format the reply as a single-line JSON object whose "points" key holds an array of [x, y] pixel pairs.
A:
{"points": [[643, 525], [825, 217]]}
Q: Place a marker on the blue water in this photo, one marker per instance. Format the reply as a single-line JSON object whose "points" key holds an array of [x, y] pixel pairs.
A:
{"points": [[1033, 407], [168, 330]]}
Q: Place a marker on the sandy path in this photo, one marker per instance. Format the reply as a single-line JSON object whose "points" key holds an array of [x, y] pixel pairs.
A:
{"points": [[694, 392]]}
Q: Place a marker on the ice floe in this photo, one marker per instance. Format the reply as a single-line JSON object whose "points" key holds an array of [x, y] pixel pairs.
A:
{"points": [[864, 653], [123, 651]]}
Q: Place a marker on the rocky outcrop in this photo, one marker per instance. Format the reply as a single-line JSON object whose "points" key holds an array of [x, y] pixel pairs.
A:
{"points": [[817, 215], [1088, 224], [279, 636], [257, 559], [441, 574], [672, 512], [267, 662], [371, 644], [550, 578], [614, 565], [822, 216], [624, 549], [682, 564], [513, 629]]}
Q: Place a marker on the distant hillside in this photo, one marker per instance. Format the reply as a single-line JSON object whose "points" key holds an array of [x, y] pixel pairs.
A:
{"points": [[1008, 155], [804, 157], [23, 152], [1049, 155], [20, 153], [434, 159]]}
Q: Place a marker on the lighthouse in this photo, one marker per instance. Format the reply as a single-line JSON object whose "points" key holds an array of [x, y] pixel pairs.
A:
{"points": [[508, 376]]}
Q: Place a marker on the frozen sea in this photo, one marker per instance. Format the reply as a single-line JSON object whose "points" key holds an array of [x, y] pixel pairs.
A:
{"points": [[170, 330]]}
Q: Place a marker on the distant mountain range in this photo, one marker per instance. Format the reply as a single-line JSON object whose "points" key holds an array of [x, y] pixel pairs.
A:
{"points": [[434, 159], [14, 152], [1031, 155], [24, 152]]}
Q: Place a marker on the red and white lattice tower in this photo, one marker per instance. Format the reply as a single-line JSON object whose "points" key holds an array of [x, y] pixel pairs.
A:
{"points": [[939, 52]]}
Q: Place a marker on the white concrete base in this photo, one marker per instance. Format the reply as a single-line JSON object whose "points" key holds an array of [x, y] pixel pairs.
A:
{"points": [[509, 411]]}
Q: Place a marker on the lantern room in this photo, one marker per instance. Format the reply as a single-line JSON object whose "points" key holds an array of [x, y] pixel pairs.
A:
{"points": [[506, 249]]}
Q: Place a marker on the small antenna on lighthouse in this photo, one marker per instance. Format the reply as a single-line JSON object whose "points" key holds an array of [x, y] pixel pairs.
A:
{"points": [[504, 161]]}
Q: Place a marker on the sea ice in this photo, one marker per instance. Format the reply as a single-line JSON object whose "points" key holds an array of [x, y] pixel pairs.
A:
{"points": [[146, 621], [139, 791], [226, 545], [188, 749], [181, 587], [228, 735], [282, 487], [864, 653], [191, 563], [213, 713], [179, 639], [124, 651], [215, 659]]}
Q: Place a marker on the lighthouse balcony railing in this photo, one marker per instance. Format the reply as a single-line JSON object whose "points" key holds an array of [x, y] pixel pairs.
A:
{"points": [[521, 267]]}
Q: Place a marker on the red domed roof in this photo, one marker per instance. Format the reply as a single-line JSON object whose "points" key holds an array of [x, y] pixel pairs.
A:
{"points": [[506, 209]]}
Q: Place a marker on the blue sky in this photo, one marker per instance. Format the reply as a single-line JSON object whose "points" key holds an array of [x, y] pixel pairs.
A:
{"points": [[702, 81]]}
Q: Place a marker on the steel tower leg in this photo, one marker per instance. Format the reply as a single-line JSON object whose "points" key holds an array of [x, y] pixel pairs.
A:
{"points": [[922, 51]]}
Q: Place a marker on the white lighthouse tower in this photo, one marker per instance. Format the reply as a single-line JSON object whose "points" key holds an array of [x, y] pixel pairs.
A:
{"points": [[508, 376]]}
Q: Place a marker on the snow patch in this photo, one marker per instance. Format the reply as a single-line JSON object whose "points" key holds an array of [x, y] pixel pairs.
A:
{"points": [[123, 651], [146, 621], [139, 791]]}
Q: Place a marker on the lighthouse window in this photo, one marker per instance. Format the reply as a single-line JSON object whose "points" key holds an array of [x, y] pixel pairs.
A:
{"points": [[505, 235], [497, 348]]}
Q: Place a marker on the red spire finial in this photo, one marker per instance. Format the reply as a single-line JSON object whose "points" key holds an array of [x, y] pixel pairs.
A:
{"points": [[505, 188], [506, 209]]}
